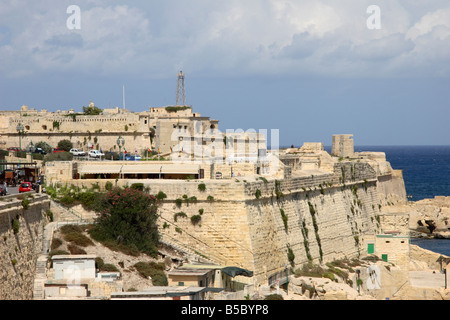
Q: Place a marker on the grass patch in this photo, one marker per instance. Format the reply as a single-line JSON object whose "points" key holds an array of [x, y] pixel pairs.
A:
{"points": [[153, 270]]}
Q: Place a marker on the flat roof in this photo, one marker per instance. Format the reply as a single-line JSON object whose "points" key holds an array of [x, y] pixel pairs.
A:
{"points": [[73, 257]]}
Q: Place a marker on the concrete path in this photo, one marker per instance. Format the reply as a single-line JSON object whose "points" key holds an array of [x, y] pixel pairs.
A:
{"points": [[427, 279]]}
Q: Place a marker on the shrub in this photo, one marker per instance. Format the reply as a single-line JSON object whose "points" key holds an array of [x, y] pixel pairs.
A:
{"points": [[67, 199], [44, 146], [179, 202], [202, 187], [284, 218], [57, 253], [179, 214], [161, 196], [274, 297], [49, 214], [108, 186], [291, 256], [58, 156], [127, 217], [25, 203], [137, 186], [78, 239], [74, 249], [56, 243], [153, 270], [65, 145], [109, 267], [210, 198], [15, 226], [258, 194], [200, 211], [195, 219]]}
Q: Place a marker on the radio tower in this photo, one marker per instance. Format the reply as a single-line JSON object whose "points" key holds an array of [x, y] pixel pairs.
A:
{"points": [[181, 93]]}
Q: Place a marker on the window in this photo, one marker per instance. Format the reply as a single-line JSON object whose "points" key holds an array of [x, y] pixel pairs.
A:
{"points": [[181, 284]]}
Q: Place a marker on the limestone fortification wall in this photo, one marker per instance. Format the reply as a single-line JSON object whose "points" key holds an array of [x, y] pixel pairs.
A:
{"points": [[241, 221], [243, 225], [19, 251]]}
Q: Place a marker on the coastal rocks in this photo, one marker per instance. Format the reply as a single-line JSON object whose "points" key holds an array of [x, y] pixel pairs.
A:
{"points": [[314, 288], [430, 218]]}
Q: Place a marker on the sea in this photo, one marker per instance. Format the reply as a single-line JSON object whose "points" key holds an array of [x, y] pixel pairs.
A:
{"points": [[426, 172]]}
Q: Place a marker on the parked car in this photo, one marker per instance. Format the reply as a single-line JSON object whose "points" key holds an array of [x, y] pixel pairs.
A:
{"points": [[77, 152], [57, 150], [130, 157], [96, 154], [39, 150], [13, 149], [25, 187]]}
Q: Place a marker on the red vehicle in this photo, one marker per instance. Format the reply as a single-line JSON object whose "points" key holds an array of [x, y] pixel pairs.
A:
{"points": [[57, 150], [25, 187]]}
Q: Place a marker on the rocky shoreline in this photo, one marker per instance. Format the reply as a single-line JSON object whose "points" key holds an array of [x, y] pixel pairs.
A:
{"points": [[428, 218]]}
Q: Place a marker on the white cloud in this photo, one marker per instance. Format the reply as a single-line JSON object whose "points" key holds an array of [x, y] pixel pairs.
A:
{"points": [[155, 39]]}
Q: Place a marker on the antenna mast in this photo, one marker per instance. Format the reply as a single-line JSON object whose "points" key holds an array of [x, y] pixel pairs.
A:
{"points": [[181, 93]]}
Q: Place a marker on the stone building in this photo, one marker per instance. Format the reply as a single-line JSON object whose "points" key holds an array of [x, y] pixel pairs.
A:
{"points": [[152, 129]]}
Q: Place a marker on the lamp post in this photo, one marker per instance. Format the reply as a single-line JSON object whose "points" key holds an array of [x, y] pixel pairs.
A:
{"points": [[120, 143], [20, 129]]}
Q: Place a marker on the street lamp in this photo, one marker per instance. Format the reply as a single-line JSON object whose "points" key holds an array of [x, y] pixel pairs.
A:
{"points": [[120, 143], [20, 128]]}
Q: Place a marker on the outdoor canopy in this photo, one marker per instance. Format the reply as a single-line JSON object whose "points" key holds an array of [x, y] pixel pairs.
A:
{"points": [[235, 271]]}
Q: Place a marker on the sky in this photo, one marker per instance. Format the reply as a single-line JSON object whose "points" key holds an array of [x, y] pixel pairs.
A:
{"points": [[377, 69]]}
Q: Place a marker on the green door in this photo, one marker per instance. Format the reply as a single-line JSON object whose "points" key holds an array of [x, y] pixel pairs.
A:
{"points": [[384, 257], [370, 248]]}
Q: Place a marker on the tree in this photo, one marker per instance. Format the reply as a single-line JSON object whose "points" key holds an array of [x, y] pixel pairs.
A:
{"points": [[65, 145], [92, 111], [44, 146], [128, 217]]}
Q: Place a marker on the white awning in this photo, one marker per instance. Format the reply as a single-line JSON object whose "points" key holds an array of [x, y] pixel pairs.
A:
{"points": [[158, 168], [139, 168], [98, 169]]}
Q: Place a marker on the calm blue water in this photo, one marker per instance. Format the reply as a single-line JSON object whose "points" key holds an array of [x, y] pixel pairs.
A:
{"points": [[436, 245], [426, 169], [426, 172]]}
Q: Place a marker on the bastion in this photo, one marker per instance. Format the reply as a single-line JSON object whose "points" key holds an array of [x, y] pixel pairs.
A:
{"points": [[269, 215]]}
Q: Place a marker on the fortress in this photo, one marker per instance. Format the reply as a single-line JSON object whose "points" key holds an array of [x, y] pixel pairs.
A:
{"points": [[261, 210]]}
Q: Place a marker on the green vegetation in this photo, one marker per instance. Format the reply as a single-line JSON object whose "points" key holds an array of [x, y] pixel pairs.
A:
{"points": [[65, 145], [92, 111], [290, 256], [161, 196], [153, 270], [284, 218], [137, 186], [58, 156], [180, 214], [44, 146], [25, 203], [74, 235], [195, 219], [15, 225], [258, 194], [274, 297], [202, 187], [177, 108], [128, 220]]}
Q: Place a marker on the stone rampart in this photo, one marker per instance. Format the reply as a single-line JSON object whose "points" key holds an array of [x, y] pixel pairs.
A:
{"points": [[21, 233], [242, 222]]}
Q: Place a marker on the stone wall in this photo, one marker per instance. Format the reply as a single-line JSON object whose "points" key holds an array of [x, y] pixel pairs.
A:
{"points": [[19, 251], [241, 221], [243, 224]]}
